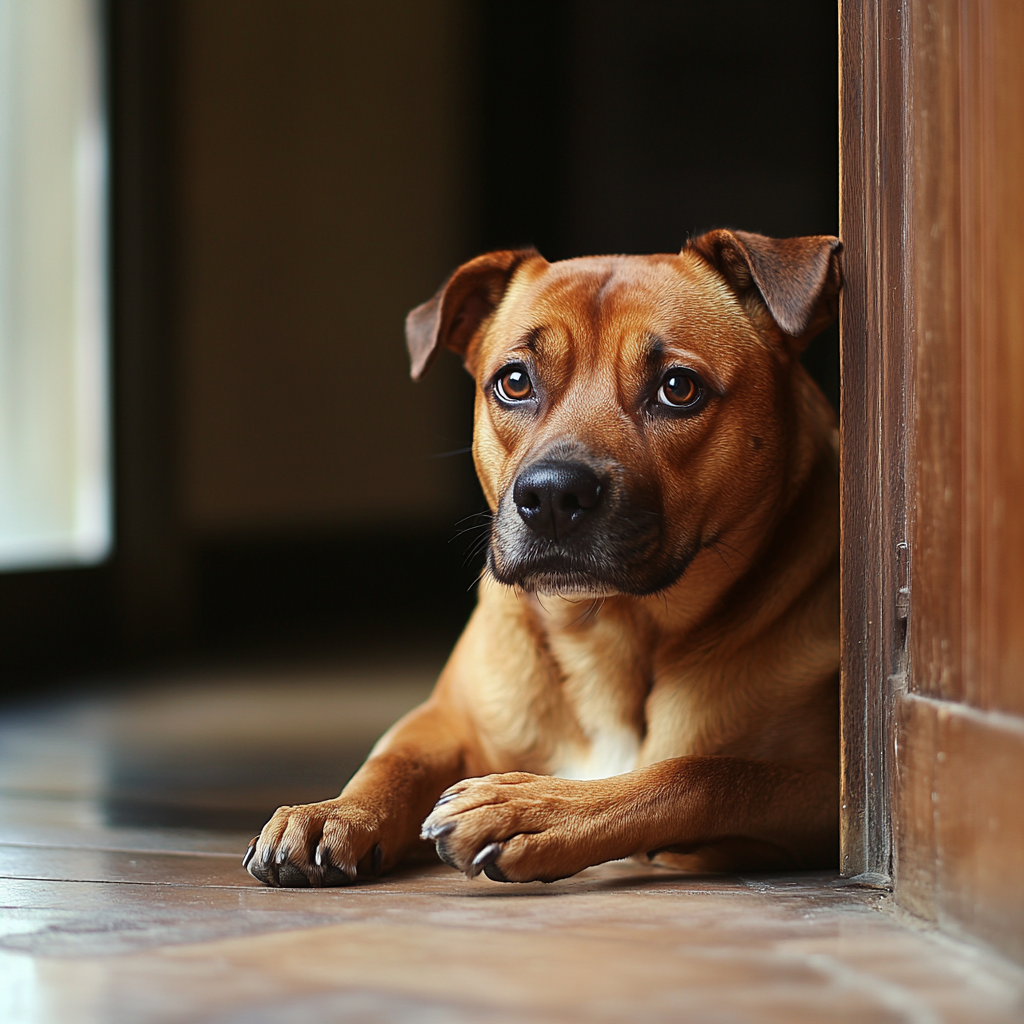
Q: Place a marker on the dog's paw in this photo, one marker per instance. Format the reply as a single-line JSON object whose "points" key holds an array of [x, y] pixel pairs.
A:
{"points": [[523, 828], [330, 843]]}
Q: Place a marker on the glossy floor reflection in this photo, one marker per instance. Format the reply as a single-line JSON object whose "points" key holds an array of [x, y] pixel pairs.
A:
{"points": [[123, 821]]}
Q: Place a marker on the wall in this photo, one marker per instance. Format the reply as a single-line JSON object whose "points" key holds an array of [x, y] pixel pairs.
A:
{"points": [[687, 116], [321, 179]]}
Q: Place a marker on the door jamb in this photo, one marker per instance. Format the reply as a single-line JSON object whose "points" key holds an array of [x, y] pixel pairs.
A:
{"points": [[876, 318]]}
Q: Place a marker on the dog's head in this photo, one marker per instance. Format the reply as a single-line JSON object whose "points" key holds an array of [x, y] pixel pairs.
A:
{"points": [[630, 410]]}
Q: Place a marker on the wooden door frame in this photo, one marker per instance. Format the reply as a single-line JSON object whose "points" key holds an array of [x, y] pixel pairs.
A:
{"points": [[876, 319]]}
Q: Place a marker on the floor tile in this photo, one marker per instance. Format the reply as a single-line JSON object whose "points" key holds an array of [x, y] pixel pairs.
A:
{"points": [[123, 899]]}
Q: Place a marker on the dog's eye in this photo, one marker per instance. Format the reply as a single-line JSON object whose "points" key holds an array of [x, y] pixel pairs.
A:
{"points": [[680, 389], [513, 384]]}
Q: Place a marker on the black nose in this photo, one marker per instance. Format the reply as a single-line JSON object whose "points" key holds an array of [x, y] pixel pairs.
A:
{"points": [[553, 497]]}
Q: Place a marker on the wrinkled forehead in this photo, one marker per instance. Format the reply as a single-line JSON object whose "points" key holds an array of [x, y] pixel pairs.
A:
{"points": [[614, 308]]}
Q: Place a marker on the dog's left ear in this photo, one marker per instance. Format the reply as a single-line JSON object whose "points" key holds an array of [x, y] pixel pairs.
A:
{"points": [[461, 305], [798, 279]]}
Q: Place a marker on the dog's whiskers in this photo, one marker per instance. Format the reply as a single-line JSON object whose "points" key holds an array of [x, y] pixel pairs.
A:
{"points": [[724, 544], [480, 513], [479, 577], [468, 529], [714, 547], [454, 451], [485, 516], [592, 611], [477, 548]]}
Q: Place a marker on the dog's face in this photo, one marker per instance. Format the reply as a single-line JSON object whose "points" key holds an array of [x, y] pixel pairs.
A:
{"points": [[630, 410], [618, 401]]}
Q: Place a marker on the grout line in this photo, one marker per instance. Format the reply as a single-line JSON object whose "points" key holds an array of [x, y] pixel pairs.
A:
{"points": [[362, 890], [121, 849], [125, 881]]}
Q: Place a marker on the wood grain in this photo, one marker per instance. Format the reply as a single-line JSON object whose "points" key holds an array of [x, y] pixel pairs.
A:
{"points": [[936, 537], [873, 414], [992, 161], [959, 830], [959, 810]]}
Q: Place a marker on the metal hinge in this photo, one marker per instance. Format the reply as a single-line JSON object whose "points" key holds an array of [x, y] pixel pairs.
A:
{"points": [[902, 581]]}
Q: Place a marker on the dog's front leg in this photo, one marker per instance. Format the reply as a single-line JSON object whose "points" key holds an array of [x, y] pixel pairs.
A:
{"points": [[375, 821], [519, 827]]}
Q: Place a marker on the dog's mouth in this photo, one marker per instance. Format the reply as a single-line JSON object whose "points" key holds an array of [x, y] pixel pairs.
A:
{"points": [[558, 575], [590, 573]]}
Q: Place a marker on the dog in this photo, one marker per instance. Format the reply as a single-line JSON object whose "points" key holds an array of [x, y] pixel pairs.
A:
{"points": [[652, 666]]}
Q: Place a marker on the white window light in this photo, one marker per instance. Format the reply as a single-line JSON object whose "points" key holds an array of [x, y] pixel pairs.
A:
{"points": [[55, 476]]}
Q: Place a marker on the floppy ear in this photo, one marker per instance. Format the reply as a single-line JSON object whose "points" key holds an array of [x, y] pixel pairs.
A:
{"points": [[461, 305], [798, 278]]}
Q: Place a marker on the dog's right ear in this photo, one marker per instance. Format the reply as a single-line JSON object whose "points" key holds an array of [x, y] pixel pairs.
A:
{"points": [[798, 279], [461, 305]]}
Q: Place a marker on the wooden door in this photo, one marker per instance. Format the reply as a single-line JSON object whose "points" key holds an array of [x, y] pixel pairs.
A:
{"points": [[932, 214]]}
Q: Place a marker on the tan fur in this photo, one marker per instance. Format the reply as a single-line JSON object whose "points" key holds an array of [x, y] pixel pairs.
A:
{"points": [[698, 722]]}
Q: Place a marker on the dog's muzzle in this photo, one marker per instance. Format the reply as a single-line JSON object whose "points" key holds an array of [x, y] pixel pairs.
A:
{"points": [[555, 498], [559, 530], [572, 528]]}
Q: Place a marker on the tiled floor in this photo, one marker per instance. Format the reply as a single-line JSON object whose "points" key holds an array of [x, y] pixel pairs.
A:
{"points": [[123, 821]]}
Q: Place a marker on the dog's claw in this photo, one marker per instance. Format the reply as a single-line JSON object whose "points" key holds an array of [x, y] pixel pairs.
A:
{"points": [[331, 874], [250, 853], [436, 832], [446, 798], [484, 859]]}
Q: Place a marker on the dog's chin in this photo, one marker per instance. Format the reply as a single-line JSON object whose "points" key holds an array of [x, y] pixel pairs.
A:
{"points": [[574, 586], [552, 577]]}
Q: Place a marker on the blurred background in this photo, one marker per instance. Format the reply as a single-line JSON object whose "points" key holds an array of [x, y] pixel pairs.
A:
{"points": [[215, 216]]}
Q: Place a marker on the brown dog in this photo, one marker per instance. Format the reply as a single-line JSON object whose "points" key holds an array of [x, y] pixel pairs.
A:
{"points": [[652, 666]]}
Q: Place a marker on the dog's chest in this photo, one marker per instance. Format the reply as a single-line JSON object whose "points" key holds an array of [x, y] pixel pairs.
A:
{"points": [[603, 689], [607, 752]]}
